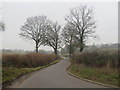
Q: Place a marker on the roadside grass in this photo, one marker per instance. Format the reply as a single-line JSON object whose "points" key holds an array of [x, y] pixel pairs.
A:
{"points": [[11, 73], [101, 75]]}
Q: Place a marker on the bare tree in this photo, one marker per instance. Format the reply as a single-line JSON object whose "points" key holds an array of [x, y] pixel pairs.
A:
{"points": [[34, 28], [52, 36], [83, 21], [2, 26], [68, 37]]}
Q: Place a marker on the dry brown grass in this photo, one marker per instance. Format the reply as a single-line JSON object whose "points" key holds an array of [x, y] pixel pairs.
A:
{"points": [[98, 59], [27, 60]]}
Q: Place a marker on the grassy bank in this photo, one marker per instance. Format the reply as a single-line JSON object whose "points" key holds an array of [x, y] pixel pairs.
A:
{"points": [[96, 74], [11, 73], [98, 66]]}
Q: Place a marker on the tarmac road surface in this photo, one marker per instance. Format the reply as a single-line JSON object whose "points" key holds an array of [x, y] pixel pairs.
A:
{"points": [[55, 76]]}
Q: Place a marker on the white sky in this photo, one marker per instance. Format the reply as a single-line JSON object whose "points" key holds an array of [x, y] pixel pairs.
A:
{"points": [[15, 14]]}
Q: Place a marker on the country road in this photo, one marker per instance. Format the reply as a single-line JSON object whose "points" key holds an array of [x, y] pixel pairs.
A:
{"points": [[55, 76]]}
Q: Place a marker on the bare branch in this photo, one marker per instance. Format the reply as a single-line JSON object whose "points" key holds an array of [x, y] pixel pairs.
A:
{"points": [[83, 21], [34, 28], [52, 36]]}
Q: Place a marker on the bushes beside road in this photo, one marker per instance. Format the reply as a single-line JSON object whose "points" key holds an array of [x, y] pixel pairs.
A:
{"points": [[97, 59], [27, 60], [100, 66], [16, 65]]}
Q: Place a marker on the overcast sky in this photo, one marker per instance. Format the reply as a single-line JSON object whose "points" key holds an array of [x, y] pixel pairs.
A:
{"points": [[15, 14]]}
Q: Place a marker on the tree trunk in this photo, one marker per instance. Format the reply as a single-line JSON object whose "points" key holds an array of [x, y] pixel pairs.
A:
{"points": [[70, 54], [36, 47], [81, 44], [71, 50], [81, 49], [55, 52]]}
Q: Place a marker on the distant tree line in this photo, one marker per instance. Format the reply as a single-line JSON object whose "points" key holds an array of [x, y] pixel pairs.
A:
{"points": [[80, 25], [91, 48]]}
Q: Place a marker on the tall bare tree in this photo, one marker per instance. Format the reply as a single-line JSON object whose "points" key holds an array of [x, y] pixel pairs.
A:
{"points": [[52, 36], [34, 28], [2, 26], [83, 21], [68, 33]]}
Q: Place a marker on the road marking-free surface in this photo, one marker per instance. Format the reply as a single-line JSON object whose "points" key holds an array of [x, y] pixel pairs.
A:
{"points": [[55, 76]]}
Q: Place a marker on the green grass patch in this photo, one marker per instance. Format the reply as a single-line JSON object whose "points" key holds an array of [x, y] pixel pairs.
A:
{"points": [[11, 73], [101, 75]]}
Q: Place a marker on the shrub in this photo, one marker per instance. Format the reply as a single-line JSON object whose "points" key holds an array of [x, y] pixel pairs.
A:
{"points": [[97, 58], [27, 60]]}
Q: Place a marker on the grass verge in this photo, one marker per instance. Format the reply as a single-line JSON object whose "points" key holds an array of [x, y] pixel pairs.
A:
{"points": [[11, 73], [96, 74]]}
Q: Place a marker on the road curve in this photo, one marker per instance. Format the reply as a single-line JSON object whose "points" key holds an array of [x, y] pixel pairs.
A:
{"points": [[55, 76]]}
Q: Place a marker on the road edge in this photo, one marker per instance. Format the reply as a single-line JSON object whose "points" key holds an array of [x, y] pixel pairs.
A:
{"points": [[87, 80], [30, 73]]}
